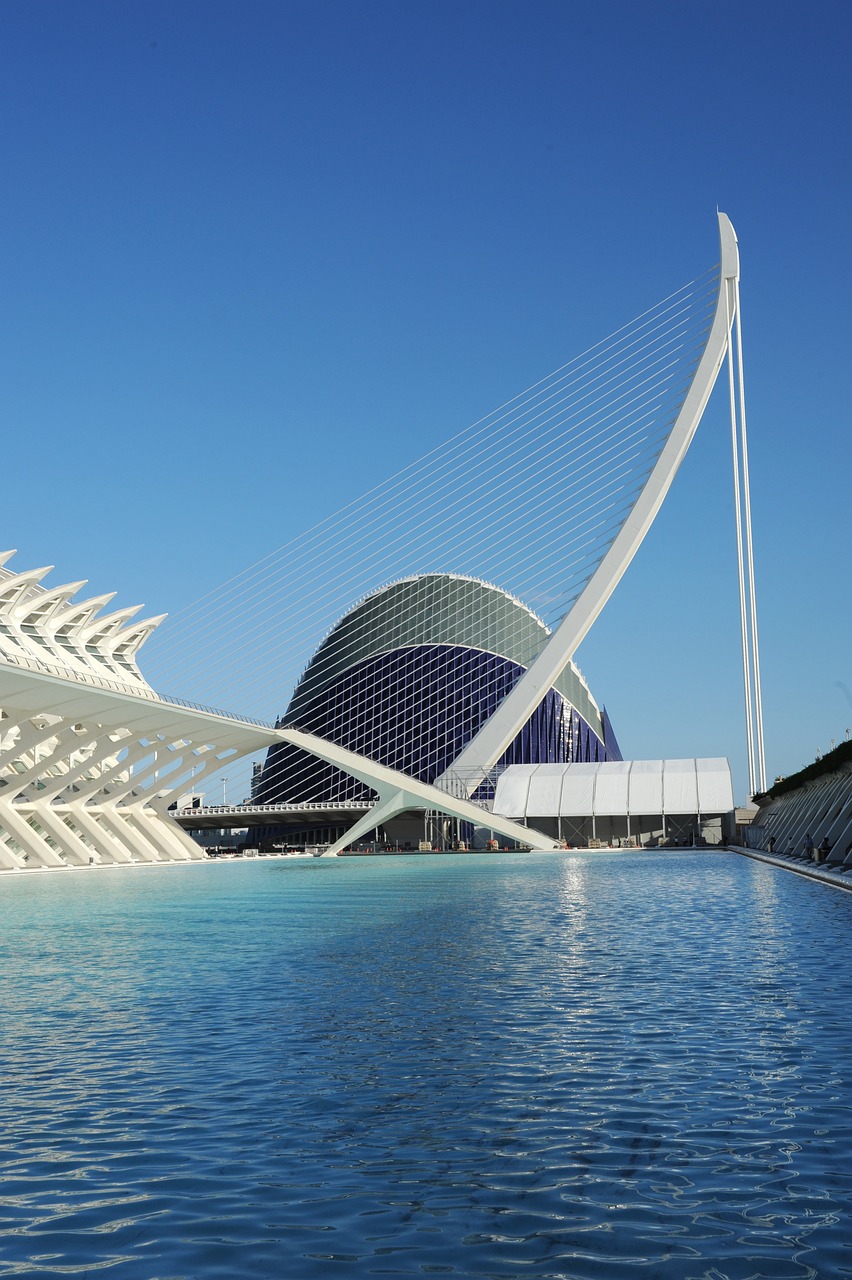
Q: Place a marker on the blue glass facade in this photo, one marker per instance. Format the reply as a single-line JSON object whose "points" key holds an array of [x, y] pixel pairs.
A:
{"points": [[414, 709]]}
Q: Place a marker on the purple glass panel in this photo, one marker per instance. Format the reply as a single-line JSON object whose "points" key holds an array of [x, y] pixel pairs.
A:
{"points": [[414, 709]]}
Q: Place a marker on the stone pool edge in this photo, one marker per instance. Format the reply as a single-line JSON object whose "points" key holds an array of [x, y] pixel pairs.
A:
{"points": [[823, 874]]}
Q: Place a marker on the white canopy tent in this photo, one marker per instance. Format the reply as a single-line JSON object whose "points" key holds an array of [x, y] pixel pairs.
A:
{"points": [[620, 799]]}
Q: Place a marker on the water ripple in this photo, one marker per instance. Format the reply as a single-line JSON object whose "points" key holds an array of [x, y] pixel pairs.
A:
{"points": [[558, 1066]]}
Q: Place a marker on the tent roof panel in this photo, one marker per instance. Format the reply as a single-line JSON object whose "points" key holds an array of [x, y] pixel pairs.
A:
{"points": [[715, 790], [615, 787], [544, 790], [680, 786], [612, 790]]}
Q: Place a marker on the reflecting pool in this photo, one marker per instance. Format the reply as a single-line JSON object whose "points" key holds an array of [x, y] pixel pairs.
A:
{"points": [[556, 1065]]}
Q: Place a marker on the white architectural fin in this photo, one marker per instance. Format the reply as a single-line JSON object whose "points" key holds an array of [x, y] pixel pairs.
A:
{"points": [[16, 586], [77, 615], [46, 603], [130, 640], [106, 626]]}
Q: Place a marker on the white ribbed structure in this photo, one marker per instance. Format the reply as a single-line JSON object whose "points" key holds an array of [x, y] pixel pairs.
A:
{"points": [[90, 757], [49, 631]]}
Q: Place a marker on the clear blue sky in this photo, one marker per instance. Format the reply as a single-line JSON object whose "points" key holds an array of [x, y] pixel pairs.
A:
{"points": [[255, 255]]}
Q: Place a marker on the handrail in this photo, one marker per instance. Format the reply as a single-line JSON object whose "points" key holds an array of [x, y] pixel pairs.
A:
{"points": [[42, 667], [212, 809], [213, 711]]}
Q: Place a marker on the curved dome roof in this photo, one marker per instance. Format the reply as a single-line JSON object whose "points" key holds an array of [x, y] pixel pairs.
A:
{"points": [[436, 609]]}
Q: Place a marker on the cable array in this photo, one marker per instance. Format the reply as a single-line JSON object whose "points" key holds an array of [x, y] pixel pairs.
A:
{"points": [[528, 498]]}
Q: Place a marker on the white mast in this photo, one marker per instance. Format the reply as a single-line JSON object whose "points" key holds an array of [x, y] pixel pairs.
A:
{"points": [[486, 747], [745, 562]]}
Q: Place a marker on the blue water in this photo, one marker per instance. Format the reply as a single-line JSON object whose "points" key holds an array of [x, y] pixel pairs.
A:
{"points": [[499, 1066]]}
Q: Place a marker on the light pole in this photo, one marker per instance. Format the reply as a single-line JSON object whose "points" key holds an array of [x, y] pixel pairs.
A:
{"points": [[224, 782]]}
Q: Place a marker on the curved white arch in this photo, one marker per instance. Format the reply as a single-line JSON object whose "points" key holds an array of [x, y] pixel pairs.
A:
{"points": [[486, 748]]}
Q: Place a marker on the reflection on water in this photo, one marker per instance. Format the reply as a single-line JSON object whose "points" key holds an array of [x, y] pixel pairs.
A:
{"points": [[543, 1066]]}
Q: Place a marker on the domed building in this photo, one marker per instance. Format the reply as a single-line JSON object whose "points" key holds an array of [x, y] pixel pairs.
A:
{"points": [[409, 675]]}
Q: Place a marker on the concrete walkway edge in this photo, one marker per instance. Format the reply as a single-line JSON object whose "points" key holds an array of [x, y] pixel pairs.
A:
{"points": [[810, 871]]}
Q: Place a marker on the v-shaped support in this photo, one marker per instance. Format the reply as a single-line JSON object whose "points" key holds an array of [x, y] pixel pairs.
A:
{"points": [[399, 793]]}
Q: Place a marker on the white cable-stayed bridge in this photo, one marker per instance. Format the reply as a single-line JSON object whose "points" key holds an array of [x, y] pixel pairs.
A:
{"points": [[452, 597]]}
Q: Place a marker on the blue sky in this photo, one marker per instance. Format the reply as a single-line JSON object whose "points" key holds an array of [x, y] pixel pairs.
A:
{"points": [[256, 256]]}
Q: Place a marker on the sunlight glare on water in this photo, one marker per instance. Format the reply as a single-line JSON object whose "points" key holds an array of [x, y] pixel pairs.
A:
{"points": [[559, 1065]]}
